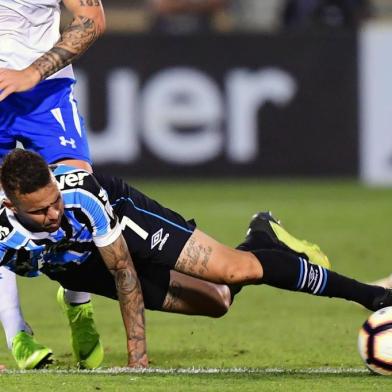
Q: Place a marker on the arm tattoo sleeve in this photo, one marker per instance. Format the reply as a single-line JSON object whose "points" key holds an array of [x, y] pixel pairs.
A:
{"points": [[74, 40], [118, 261]]}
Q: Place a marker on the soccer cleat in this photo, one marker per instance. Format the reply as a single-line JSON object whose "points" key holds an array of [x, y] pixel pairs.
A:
{"points": [[28, 353], [384, 282], [86, 344], [279, 238], [382, 301]]}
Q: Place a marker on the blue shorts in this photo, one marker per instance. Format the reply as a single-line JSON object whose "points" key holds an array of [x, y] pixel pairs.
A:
{"points": [[46, 120]]}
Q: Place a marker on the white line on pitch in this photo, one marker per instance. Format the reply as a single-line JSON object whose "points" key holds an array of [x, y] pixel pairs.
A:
{"points": [[190, 371]]}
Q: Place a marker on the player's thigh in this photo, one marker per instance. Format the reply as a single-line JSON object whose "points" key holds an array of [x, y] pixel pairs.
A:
{"points": [[153, 233], [193, 296], [55, 130], [206, 258]]}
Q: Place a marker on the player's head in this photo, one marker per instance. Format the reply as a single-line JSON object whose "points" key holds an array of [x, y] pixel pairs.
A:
{"points": [[31, 191]]}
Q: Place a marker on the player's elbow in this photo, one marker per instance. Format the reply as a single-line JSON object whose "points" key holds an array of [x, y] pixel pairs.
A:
{"points": [[100, 24], [96, 22]]}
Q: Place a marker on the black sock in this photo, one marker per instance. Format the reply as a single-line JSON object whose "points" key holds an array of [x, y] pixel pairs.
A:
{"points": [[257, 240], [288, 271], [253, 241], [234, 290]]}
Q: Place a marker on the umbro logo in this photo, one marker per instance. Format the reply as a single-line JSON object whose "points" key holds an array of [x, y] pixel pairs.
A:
{"points": [[158, 238]]}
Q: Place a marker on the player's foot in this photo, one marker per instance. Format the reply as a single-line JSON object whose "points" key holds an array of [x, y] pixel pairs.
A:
{"points": [[384, 282], [271, 228], [28, 353], [383, 300], [86, 344]]}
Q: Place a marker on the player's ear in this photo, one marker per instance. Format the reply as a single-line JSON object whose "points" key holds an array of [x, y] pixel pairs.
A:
{"points": [[8, 203]]}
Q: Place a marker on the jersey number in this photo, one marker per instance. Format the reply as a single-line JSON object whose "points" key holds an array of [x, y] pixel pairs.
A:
{"points": [[127, 222]]}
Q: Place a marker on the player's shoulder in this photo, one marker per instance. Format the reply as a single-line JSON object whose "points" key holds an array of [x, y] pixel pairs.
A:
{"points": [[69, 178]]}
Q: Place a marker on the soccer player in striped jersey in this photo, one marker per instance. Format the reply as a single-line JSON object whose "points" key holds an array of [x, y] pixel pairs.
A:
{"points": [[37, 108], [61, 222]]}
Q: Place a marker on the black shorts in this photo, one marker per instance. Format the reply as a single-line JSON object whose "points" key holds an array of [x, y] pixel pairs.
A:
{"points": [[155, 236]]}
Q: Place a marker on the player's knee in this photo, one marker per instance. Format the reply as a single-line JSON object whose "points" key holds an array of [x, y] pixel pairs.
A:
{"points": [[239, 272], [223, 301]]}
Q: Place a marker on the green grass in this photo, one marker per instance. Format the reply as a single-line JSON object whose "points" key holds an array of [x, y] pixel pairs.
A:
{"points": [[266, 328]]}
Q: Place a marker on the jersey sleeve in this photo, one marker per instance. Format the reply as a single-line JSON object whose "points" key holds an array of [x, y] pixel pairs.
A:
{"points": [[83, 191], [13, 255]]}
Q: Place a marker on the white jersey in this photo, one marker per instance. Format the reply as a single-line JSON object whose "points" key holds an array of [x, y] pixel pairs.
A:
{"points": [[28, 29]]}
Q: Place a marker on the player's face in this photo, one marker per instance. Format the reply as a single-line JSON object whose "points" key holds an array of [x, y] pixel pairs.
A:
{"points": [[41, 210]]}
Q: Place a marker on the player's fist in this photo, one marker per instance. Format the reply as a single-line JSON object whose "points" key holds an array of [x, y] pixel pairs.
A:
{"points": [[13, 81]]}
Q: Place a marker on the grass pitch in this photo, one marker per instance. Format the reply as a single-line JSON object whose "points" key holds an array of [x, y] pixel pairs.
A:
{"points": [[270, 339]]}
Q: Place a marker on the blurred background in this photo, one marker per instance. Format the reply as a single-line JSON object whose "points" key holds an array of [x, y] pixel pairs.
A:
{"points": [[239, 92], [241, 88]]}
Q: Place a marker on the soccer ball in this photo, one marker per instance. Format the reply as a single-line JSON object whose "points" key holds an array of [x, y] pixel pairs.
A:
{"points": [[375, 342]]}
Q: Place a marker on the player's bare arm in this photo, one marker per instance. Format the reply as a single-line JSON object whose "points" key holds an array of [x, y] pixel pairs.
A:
{"points": [[87, 25], [119, 263]]}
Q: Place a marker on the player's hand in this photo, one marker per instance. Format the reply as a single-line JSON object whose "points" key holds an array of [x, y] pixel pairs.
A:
{"points": [[139, 362], [13, 81]]}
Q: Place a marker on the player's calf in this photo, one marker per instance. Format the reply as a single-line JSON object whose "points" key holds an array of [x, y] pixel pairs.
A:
{"points": [[189, 295]]}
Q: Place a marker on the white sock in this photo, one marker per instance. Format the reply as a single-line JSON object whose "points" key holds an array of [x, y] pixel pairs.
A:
{"points": [[10, 313], [76, 297]]}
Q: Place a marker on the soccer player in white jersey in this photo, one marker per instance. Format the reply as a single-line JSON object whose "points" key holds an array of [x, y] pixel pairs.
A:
{"points": [[37, 109]]}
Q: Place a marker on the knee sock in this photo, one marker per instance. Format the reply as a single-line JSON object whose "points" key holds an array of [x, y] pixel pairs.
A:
{"points": [[10, 313], [287, 271], [76, 297], [253, 241]]}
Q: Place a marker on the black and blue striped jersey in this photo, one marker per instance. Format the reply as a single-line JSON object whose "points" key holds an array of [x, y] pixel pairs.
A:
{"points": [[88, 221]]}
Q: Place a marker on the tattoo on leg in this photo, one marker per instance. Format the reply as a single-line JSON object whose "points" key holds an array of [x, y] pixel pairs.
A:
{"points": [[195, 259]]}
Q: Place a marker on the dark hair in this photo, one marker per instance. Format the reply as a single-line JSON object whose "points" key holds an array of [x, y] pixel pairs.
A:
{"points": [[23, 172]]}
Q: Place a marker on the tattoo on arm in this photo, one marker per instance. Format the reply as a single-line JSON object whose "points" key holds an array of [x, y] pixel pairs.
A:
{"points": [[74, 40], [90, 3], [119, 263], [194, 259]]}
